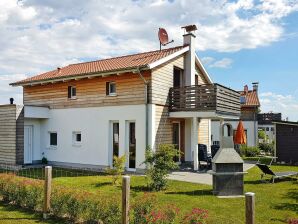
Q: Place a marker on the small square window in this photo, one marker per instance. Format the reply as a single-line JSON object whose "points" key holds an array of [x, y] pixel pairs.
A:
{"points": [[53, 139], [77, 138], [72, 92], [111, 88]]}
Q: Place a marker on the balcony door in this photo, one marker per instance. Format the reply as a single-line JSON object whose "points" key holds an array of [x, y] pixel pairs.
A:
{"points": [[178, 80], [178, 139]]}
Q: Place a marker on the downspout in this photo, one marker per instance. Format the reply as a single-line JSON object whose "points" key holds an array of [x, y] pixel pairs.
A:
{"points": [[146, 85]]}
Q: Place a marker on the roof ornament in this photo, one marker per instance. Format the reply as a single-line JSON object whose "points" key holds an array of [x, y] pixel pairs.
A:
{"points": [[163, 38]]}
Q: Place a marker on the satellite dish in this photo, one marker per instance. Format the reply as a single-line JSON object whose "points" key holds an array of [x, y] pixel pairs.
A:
{"points": [[163, 37]]}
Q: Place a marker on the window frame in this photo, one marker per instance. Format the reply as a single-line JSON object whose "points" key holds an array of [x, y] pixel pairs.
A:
{"points": [[50, 142], [108, 90], [70, 92], [74, 138]]}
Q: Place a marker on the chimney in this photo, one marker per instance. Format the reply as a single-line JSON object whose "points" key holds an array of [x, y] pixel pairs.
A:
{"points": [[255, 86], [190, 56], [245, 89], [11, 100], [58, 69]]}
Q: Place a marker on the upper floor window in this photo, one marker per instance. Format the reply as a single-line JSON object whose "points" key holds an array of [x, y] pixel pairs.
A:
{"points": [[72, 92], [111, 89]]}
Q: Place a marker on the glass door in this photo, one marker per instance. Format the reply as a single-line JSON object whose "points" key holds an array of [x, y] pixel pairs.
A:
{"points": [[176, 139], [132, 145], [116, 139]]}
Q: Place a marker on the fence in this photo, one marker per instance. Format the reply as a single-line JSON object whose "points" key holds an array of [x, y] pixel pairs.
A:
{"points": [[48, 175]]}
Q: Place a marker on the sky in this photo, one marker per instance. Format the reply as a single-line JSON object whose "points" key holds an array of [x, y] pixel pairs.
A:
{"points": [[238, 41]]}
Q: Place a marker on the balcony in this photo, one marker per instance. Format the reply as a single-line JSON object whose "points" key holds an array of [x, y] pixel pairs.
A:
{"points": [[213, 98]]}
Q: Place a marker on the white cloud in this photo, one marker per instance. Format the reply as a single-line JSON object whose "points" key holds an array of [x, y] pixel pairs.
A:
{"points": [[207, 60], [286, 104], [223, 63], [40, 35]]}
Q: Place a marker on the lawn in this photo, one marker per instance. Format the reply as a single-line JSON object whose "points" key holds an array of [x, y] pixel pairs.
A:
{"points": [[274, 202], [12, 215]]}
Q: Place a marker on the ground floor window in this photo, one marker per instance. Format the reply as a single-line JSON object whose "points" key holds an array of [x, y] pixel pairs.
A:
{"points": [[53, 139]]}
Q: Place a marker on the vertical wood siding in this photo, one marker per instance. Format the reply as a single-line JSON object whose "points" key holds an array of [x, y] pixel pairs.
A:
{"points": [[203, 134]]}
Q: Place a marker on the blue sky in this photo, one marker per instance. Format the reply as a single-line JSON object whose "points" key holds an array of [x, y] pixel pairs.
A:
{"points": [[239, 41]]}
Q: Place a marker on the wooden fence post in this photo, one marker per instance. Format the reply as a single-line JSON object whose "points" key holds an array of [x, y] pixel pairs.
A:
{"points": [[250, 208], [47, 190], [125, 199]]}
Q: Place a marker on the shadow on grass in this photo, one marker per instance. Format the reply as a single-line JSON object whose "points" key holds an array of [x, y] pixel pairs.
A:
{"points": [[26, 215], [293, 195], [191, 193], [102, 184]]}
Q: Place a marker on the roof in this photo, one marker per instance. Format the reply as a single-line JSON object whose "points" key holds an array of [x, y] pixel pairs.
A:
{"points": [[252, 99], [286, 122], [141, 60]]}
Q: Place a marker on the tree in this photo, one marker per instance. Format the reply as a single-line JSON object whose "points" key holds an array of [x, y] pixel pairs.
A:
{"points": [[117, 169]]}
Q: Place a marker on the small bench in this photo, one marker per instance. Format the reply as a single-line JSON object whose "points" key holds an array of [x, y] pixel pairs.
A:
{"points": [[275, 175]]}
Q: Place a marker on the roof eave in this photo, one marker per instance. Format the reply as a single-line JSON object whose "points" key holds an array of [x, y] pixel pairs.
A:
{"points": [[85, 75]]}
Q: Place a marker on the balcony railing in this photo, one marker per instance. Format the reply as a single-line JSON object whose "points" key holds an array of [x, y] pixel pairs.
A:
{"points": [[211, 97]]}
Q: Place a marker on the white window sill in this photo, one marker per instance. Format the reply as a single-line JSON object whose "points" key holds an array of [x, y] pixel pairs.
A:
{"points": [[72, 98], [77, 145], [112, 94]]}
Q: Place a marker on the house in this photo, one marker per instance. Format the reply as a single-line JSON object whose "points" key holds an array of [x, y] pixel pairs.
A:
{"points": [[286, 141], [83, 114], [265, 124], [250, 105]]}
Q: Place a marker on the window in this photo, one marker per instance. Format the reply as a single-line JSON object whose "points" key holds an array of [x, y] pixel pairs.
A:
{"points": [[72, 92], [116, 139], [196, 79], [111, 89], [267, 129], [272, 129], [76, 138], [53, 139], [242, 100]]}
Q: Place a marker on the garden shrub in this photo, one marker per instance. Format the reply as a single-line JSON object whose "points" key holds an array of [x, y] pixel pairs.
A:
{"points": [[118, 168], [293, 221], [22, 191], [249, 151], [268, 148], [159, 164], [147, 209]]}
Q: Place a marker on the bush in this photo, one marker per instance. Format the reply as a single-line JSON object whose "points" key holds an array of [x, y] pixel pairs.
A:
{"points": [[268, 148], [249, 151], [118, 168], [146, 209], [159, 164], [77, 205], [262, 134], [22, 191], [293, 221], [44, 160]]}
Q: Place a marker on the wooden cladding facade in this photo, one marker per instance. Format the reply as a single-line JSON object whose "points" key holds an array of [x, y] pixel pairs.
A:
{"points": [[11, 134], [130, 90]]}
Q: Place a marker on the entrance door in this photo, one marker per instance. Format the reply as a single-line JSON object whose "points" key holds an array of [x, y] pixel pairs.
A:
{"points": [[28, 144], [176, 139], [132, 145]]}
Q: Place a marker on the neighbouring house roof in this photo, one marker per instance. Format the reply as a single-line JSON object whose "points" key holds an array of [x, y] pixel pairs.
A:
{"points": [[286, 122], [251, 98], [147, 60]]}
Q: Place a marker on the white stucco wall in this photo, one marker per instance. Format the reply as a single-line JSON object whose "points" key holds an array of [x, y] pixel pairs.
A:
{"points": [[250, 126], [95, 127]]}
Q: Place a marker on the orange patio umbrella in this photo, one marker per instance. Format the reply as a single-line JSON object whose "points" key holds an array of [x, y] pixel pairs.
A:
{"points": [[240, 136]]}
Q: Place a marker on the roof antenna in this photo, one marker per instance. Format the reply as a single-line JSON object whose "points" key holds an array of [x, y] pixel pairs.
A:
{"points": [[163, 38]]}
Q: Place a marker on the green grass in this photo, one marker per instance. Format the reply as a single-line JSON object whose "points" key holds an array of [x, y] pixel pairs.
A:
{"points": [[274, 202], [13, 215]]}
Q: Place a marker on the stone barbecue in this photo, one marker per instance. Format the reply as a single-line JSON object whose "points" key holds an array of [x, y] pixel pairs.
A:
{"points": [[227, 170]]}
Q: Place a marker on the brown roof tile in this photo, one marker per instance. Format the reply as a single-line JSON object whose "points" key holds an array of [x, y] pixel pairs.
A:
{"points": [[252, 99], [104, 65]]}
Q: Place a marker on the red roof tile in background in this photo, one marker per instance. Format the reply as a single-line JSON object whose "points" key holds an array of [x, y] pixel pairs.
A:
{"points": [[105, 65], [252, 98]]}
